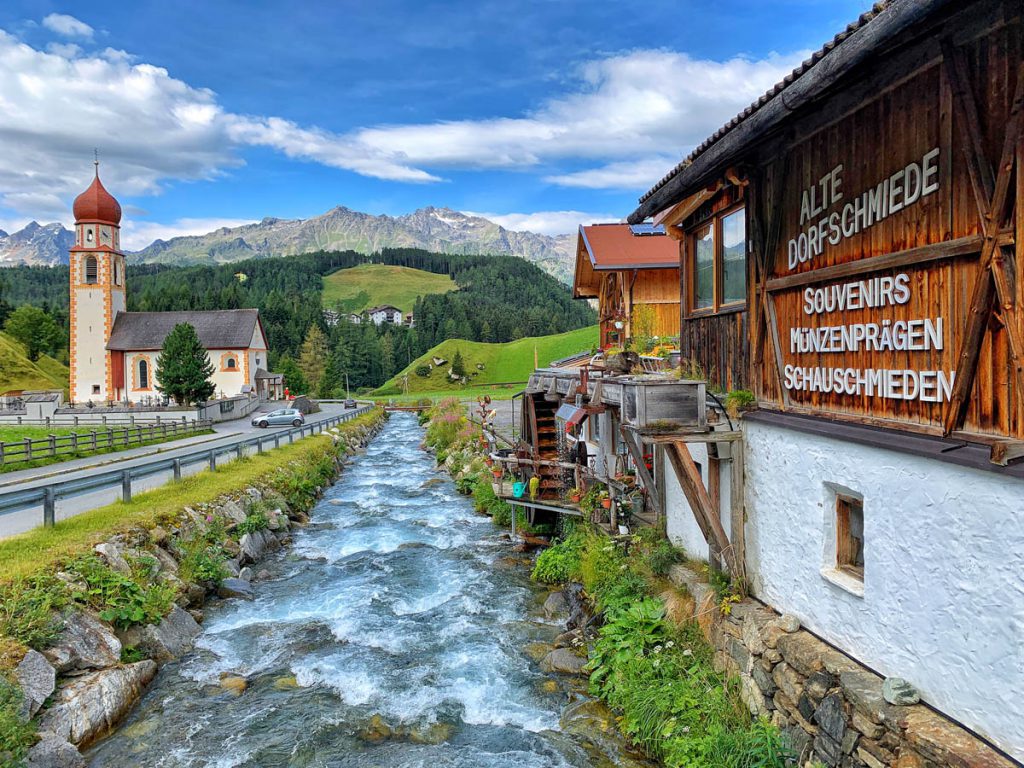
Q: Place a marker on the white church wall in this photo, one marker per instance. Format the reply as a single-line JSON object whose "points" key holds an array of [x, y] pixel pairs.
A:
{"points": [[943, 554]]}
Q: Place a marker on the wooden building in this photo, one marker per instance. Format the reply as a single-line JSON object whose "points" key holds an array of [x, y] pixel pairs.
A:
{"points": [[625, 268], [849, 252]]}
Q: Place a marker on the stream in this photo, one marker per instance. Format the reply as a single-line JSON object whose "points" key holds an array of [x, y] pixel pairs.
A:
{"points": [[394, 632]]}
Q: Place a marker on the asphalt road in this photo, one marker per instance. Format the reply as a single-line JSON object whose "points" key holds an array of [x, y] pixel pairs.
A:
{"points": [[226, 434]]}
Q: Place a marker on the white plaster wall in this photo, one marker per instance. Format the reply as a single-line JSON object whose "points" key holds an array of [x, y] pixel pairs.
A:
{"points": [[90, 345], [230, 382], [943, 593], [681, 525]]}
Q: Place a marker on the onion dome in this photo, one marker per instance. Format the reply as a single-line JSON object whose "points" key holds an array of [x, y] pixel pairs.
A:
{"points": [[96, 204]]}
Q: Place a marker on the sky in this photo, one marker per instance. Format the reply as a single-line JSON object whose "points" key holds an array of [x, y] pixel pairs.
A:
{"points": [[540, 115]]}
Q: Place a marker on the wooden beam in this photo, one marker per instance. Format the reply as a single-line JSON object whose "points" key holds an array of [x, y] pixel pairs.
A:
{"points": [[737, 505], [1005, 452], [948, 249], [636, 450], [706, 515], [988, 285]]}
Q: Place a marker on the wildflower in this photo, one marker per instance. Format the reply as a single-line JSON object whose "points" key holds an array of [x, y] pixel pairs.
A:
{"points": [[657, 649], [657, 663], [670, 644], [687, 652]]}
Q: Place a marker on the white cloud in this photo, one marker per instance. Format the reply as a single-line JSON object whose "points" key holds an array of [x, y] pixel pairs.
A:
{"points": [[621, 123], [68, 26], [546, 222], [136, 234]]}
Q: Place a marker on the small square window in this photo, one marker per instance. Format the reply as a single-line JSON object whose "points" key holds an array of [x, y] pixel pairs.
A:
{"points": [[850, 536], [95, 389]]}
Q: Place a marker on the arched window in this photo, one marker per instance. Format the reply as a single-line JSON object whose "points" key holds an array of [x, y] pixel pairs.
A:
{"points": [[91, 269], [88, 235], [143, 374], [231, 363], [117, 273]]}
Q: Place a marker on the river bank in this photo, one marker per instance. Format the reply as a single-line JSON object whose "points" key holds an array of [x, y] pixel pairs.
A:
{"points": [[88, 620]]}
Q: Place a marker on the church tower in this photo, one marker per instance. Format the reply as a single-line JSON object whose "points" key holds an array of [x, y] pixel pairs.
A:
{"points": [[97, 293]]}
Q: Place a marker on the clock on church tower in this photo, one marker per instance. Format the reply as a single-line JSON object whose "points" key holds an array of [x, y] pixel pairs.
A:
{"points": [[97, 292]]}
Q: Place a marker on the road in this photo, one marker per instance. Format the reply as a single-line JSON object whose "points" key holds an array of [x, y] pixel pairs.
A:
{"points": [[226, 434]]}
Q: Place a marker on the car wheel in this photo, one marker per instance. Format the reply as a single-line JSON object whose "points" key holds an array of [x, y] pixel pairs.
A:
{"points": [[297, 423], [264, 424]]}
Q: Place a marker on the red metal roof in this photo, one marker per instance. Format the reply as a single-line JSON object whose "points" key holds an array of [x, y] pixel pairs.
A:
{"points": [[614, 246], [96, 204]]}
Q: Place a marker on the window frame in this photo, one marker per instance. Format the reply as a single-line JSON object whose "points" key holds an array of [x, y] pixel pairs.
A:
{"points": [[143, 371], [92, 261], [718, 306], [846, 549]]}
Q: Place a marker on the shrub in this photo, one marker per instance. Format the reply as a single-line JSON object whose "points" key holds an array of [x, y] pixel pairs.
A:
{"points": [[422, 371], [560, 562], [254, 522], [662, 556], [29, 611], [739, 400], [202, 563], [16, 736], [123, 600]]}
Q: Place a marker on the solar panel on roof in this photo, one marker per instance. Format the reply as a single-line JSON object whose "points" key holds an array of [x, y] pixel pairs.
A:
{"points": [[647, 229]]}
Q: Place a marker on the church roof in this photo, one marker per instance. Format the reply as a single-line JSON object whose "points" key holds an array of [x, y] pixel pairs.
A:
{"points": [[217, 329], [96, 204]]}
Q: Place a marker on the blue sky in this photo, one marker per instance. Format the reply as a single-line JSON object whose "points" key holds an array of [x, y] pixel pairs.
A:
{"points": [[540, 114]]}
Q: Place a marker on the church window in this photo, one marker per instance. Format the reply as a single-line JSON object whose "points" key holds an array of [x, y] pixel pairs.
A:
{"points": [[95, 389], [91, 269], [117, 273], [88, 235], [231, 363], [143, 374]]}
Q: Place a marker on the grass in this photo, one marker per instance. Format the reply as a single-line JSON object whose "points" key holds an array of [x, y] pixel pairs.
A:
{"points": [[17, 372], [14, 434], [511, 361], [43, 548], [368, 285]]}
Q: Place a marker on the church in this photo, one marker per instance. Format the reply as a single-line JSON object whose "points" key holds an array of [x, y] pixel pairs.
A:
{"points": [[114, 353]]}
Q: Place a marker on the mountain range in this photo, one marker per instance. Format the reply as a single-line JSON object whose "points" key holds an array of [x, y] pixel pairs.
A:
{"points": [[435, 229]]}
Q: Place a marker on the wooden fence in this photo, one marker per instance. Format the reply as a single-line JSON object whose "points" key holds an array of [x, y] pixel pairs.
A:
{"points": [[52, 446]]}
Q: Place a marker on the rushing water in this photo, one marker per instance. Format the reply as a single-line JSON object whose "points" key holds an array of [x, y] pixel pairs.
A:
{"points": [[391, 634]]}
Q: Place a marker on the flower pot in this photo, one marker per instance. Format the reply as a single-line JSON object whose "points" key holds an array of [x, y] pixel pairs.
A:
{"points": [[575, 498], [489, 461], [606, 503], [497, 474]]}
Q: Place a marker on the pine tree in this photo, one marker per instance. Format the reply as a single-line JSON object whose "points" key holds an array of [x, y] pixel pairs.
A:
{"points": [[35, 329], [458, 365], [313, 355], [183, 369], [293, 378]]}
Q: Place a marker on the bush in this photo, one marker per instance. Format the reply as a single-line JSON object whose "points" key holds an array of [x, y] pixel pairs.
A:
{"points": [[560, 563], [662, 556], [254, 522], [121, 599], [422, 371], [202, 563], [16, 736]]}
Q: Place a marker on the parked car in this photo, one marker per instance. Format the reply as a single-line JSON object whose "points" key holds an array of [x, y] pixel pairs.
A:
{"points": [[285, 416], [350, 403]]}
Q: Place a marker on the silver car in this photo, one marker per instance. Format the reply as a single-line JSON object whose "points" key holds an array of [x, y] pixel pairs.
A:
{"points": [[283, 417]]}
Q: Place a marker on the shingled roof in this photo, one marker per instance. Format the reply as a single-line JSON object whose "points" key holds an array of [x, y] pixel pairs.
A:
{"points": [[887, 20], [217, 329]]}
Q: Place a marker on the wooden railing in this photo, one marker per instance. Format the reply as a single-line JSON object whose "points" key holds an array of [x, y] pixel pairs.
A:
{"points": [[111, 438]]}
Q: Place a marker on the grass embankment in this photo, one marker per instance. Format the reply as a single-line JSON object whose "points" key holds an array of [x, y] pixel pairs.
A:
{"points": [[33, 600], [15, 434], [17, 372], [369, 285], [486, 363]]}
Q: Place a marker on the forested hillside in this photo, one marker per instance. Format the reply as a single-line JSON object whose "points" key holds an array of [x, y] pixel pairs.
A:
{"points": [[499, 298]]}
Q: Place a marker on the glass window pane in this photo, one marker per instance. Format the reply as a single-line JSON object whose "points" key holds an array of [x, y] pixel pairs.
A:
{"points": [[734, 258], [704, 268]]}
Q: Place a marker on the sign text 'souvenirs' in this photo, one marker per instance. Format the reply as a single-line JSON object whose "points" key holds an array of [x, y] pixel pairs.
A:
{"points": [[823, 222]]}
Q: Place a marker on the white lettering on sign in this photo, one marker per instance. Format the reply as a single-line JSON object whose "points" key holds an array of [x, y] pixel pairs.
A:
{"points": [[891, 195], [887, 335]]}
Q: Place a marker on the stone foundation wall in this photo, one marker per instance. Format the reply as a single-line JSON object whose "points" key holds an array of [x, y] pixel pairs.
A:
{"points": [[832, 709]]}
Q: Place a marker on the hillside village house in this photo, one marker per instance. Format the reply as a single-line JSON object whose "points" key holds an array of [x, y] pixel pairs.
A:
{"points": [[114, 353], [385, 313], [625, 267], [848, 253]]}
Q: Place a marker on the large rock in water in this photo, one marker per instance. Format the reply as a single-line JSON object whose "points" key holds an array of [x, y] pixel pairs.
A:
{"points": [[54, 752], [92, 705], [236, 588], [84, 643], [167, 640], [564, 661], [555, 605], [37, 680]]}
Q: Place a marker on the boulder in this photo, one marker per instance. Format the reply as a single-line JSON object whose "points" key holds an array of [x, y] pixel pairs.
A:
{"points": [[252, 547], [236, 588], [563, 661], [167, 563], [245, 574], [231, 566], [84, 643], [54, 752], [92, 705], [158, 535], [235, 684], [168, 640], [555, 605], [262, 575], [114, 557], [233, 511], [37, 680]]}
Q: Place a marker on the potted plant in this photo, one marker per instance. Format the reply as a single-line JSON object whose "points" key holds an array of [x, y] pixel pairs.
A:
{"points": [[497, 472], [606, 500], [575, 494], [488, 461]]}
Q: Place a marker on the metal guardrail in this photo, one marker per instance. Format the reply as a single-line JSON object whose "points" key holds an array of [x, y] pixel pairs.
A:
{"points": [[48, 495], [94, 440]]}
